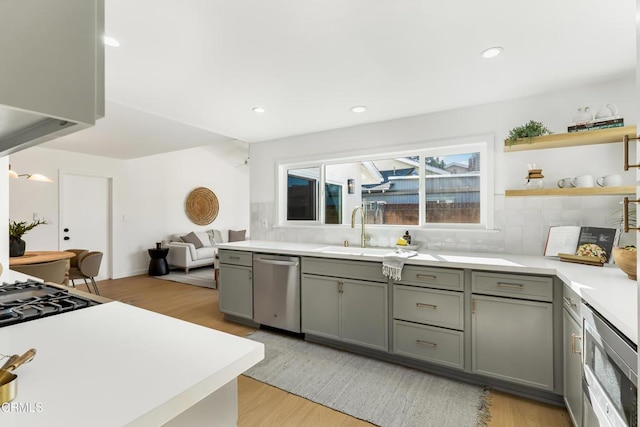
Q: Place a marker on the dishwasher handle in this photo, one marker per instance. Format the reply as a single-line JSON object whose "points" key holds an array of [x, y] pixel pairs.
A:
{"points": [[276, 262]]}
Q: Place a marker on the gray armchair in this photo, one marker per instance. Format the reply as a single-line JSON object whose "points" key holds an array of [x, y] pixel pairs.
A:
{"points": [[88, 268]]}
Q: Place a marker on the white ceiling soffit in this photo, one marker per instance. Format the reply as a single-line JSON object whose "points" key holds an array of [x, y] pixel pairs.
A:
{"points": [[128, 133]]}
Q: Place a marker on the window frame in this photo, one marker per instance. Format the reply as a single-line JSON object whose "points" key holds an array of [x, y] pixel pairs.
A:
{"points": [[483, 144]]}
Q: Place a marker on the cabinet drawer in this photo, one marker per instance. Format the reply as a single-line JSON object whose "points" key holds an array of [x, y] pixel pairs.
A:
{"points": [[571, 302], [235, 257], [442, 278], [429, 343], [361, 270], [512, 285], [435, 307]]}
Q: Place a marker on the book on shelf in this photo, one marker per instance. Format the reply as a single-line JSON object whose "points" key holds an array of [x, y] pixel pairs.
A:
{"points": [[599, 124], [574, 241]]}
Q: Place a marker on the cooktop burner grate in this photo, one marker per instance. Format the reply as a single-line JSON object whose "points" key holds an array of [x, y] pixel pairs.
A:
{"points": [[29, 300]]}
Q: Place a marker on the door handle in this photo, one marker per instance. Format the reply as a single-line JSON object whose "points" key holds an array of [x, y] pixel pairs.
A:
{"points": [[66, 237]]}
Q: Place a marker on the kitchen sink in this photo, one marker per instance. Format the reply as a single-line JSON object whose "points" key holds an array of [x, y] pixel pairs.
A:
{"points": [[355, 250]]}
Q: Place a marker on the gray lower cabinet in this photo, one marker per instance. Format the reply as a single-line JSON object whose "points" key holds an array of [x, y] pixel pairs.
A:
{"points": [[352, 311], [572, 361], [236, 283], [513, 340]]}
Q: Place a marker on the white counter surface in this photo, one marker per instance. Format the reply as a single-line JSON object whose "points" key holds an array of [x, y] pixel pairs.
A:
{"points": [[115, 365], [607, 289]]}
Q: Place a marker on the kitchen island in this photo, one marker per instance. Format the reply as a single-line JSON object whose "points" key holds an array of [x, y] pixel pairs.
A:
{"points": [[115, 364]]}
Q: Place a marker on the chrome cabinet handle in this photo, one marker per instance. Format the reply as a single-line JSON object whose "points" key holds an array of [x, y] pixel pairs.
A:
{"points": [[429, 306], [574, 347], [510, 285], [427, 343], [428, 277], [569, 301], [234, 257]]}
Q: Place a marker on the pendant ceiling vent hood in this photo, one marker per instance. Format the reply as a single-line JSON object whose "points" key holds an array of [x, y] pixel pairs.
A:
{"points": [[52, 73]]}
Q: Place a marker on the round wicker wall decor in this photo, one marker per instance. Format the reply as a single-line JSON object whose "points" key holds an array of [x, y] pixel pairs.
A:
{"points": [[202, 206]]}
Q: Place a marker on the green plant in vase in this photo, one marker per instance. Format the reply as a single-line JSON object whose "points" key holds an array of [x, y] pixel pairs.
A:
{"points": [[17, 229], [529, 130]]}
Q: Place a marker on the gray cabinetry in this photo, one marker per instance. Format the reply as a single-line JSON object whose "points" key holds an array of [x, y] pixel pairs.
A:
{"points": [[236, 283], [343, 308], [428, 315], [572, 333], [512, 339]]}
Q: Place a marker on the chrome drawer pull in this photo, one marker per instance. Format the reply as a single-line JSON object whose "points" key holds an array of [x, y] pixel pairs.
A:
{"points": [[569, 301], [234, 257], [426, 277], [427, 343], [510, 285], [429, 306]]}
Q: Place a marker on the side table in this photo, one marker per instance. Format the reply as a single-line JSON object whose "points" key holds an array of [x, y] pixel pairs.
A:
{"points": [[158, 266]]}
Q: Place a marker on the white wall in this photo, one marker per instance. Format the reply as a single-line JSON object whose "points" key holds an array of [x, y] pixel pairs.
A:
{"points": [[521, 223], [148, 196], [4, 213]]}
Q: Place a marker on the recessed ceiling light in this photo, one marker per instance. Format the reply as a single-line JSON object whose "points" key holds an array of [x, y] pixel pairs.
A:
{"points": [[258, 110], [358, 109], [110, 41], [492, 52]]}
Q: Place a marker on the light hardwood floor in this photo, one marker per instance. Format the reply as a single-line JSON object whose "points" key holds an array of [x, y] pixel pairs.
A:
{"points": [[262, 405]]}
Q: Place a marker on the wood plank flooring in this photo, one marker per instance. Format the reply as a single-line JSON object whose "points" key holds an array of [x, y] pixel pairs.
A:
{"points": [[260, 404]]}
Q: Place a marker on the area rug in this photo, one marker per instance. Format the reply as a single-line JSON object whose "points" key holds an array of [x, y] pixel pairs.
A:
{"points": [[203, 276], [378, 392]]}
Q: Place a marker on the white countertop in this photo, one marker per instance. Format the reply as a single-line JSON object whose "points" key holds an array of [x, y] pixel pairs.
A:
{"points": [[115, 365], [607, 289]]}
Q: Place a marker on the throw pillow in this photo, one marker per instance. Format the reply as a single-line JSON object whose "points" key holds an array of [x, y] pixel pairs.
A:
{"points": [[204, 238], [215, 237], [236, 236], [192, 238]]}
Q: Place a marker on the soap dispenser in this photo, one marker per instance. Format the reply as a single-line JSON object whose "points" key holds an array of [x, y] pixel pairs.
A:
{"points": [[407, 237]]}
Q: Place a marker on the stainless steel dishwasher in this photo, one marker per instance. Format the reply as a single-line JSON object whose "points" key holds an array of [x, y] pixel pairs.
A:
{"points": [[276, 291]]}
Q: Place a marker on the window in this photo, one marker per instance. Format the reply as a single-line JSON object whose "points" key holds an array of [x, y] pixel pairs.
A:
{"points": [[302, 191], [427, 186], [452, 189]]}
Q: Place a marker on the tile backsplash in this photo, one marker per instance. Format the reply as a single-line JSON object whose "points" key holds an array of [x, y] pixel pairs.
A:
{"points": [[520, 226]]}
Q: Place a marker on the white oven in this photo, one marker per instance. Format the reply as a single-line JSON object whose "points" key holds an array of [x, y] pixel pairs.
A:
{"points": [[610, 372]]}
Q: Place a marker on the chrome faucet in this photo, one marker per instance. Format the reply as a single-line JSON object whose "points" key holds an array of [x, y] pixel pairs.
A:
{"points": [[363, 235]]}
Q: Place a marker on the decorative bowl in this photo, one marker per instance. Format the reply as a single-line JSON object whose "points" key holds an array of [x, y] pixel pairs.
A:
{"points": [[627, 260]]}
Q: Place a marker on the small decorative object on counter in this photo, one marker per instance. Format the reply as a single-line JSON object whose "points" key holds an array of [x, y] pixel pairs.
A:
{"points": [[534, 179], [158, 245], [407, 237], [583, 116]]}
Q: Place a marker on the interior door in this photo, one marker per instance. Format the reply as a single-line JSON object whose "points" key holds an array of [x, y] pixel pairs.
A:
{"points": [[85, 216]]}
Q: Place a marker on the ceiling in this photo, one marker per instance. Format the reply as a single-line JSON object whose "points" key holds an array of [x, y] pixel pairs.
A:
{"points": [[189, 72]]}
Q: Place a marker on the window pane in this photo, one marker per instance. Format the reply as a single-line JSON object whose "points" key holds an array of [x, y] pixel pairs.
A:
{"points": [[302, 190], [333, 204], [390, 190], [452, 185]]}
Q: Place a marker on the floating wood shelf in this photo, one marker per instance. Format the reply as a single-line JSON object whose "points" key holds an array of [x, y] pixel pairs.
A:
{"points": [[598, 136], [582, 191]]}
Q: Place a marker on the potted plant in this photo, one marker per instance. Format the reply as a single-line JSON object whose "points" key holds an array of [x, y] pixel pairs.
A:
{"points": [[17, 229], [529, 130]]}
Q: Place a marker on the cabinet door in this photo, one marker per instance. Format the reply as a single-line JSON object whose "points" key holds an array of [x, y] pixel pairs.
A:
{"points": [[364, 314], [572, 333], [513, 340], [236, 290], [320, 306]]}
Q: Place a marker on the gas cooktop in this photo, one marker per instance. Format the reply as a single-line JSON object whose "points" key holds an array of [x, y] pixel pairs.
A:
{"points": [[22, 301]]}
